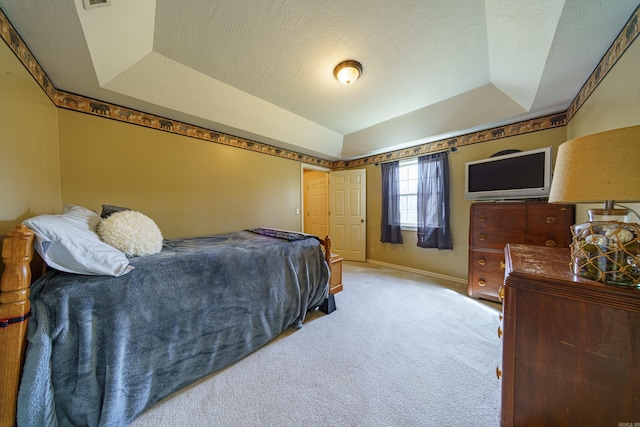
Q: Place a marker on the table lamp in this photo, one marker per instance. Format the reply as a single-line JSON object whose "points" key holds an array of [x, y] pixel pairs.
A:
{"points": [[602, 167]]}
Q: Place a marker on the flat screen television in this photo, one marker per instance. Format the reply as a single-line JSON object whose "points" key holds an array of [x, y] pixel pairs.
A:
{"points": [[519, 175]]}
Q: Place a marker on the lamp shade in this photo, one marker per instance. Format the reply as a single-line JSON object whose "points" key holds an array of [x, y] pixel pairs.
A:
{"points": [[598, 167]]}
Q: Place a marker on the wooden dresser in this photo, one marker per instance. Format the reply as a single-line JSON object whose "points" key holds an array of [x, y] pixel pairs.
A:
{"points": [[494, 224], [571, 346]]}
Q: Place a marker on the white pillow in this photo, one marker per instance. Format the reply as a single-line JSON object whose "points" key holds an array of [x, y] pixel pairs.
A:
{"points": [[132, 232], [69, 242]]}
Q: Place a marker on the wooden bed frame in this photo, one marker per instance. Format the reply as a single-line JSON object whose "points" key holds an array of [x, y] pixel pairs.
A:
{"points": [[17, 254]]}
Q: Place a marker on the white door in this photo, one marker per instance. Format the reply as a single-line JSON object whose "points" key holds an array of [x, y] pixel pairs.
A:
{"points": [[348, 213]]}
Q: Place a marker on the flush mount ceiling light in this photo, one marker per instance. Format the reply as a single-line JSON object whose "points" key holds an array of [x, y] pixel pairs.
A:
{"points": [[348, 72]]}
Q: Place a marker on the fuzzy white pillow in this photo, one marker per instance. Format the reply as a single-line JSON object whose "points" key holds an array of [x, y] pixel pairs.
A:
{"points": [[131, 232]]}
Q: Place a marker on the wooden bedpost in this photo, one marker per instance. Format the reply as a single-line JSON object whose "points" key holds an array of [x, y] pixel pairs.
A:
{"points": [[327, 249], [17, 251]]}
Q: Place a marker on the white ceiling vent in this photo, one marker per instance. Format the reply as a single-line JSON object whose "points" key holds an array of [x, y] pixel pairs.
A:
{"points": [[90, 4]]}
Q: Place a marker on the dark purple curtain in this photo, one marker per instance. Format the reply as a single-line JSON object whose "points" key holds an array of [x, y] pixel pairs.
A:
{"points": [[390, 227], [433, 202]]}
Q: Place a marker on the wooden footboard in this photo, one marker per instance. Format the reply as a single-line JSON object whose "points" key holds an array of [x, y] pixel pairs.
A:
{"points": [[17, 251], [326, 243]]}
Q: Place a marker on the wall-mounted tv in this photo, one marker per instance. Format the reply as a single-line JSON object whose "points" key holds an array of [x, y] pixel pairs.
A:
{"points": [[519, 175]]}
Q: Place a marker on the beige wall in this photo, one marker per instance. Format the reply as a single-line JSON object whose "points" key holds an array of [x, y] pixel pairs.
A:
{"points": [[51, 157], [29, 169], [614, 104], [188, 186], [447, 263]]}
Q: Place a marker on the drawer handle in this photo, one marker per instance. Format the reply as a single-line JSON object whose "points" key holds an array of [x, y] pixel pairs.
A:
{"points": [[503, 265], [481, 282], [501, 293], [498, 372], [482, 261], [483, 237], [551, 220], [483, 217], [499, 332], [550, 243]]}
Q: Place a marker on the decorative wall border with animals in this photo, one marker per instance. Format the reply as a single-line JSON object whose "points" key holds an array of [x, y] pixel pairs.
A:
{"points": [[95, 107], [520, 128]]}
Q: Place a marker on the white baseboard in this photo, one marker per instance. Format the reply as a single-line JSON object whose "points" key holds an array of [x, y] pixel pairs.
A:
{"points": [[418, 271]]}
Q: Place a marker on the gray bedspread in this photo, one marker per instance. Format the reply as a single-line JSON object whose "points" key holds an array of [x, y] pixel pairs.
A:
{"points": [[101, 349]]}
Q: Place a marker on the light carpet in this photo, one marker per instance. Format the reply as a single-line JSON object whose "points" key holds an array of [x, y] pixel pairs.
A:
{"points": [[402, 349]]}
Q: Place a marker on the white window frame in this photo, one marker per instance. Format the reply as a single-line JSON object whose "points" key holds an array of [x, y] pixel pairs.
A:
{"points": [[409, 194]]}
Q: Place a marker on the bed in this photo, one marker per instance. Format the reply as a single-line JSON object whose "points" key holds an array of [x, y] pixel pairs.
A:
{"points": [[104, 348]]}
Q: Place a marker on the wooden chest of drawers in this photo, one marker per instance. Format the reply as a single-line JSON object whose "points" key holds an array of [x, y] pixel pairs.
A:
{"points": [[570, 345], [494, 224]]}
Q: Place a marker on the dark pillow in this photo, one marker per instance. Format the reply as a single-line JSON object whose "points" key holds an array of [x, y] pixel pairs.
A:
{"points": [[111, 209]]}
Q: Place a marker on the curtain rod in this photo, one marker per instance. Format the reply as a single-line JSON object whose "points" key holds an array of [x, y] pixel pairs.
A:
{"points": [[452, 150]]}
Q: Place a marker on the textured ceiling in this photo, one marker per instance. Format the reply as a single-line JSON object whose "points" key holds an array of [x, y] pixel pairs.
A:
{"points": [[263, 69]]}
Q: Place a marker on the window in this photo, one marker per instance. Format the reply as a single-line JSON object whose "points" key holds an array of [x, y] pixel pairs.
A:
{"points": [[409, 193], [415, 196]]}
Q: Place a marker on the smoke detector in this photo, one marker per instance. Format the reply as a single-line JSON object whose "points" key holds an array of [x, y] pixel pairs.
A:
{"points": [[91, 4]]}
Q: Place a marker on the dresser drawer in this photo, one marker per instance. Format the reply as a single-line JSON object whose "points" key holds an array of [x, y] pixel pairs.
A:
{"points": [[486, 274], [493, 215], [549, 225], [546, 237], [545, 214], [497, 237]]}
